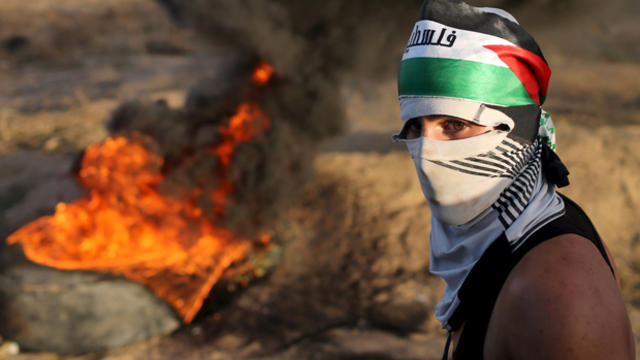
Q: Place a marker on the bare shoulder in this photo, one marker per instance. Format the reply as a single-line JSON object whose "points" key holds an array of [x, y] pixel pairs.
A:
{"points": [[560, 302]]}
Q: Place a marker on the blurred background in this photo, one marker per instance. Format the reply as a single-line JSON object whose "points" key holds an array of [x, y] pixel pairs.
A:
{"points": [[346, 274]]}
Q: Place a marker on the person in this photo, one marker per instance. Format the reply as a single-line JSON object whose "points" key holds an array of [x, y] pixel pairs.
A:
{"points": [[527, 275]]}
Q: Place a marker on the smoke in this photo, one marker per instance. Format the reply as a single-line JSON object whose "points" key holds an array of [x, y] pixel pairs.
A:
{"points": [[318, 48], [320, 42], [315, 49]]}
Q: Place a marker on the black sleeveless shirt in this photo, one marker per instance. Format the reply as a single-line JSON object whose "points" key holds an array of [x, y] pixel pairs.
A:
{"points": [[482, 286]]}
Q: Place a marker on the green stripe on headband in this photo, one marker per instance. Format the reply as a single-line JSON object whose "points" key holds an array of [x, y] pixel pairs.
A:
{"points": [[461, 79]]}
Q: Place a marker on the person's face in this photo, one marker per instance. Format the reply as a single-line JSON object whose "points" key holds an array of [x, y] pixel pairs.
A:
{"points": [[440, 127]]}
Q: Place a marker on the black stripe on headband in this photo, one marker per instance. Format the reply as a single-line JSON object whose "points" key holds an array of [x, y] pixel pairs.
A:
{"points": [[526, 119], [458, 14]]}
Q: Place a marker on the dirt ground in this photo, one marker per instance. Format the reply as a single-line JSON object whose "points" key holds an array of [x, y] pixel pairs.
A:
{"points": [[58, 85]]}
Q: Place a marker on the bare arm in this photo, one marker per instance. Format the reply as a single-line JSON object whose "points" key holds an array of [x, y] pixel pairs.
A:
{"points": [[560, 302]]}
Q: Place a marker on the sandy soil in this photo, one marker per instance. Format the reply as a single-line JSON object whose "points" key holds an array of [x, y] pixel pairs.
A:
{"points": [[55, 105]]}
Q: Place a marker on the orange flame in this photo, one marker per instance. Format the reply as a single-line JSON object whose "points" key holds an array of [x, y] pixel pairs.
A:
{"points": [[125, 226], [262, 74]]}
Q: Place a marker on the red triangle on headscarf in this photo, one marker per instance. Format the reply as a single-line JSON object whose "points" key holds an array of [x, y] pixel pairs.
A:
{"points": [[531, 69]]}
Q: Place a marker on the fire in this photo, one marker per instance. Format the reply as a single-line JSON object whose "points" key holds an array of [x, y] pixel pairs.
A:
{"points": [[124, 225], [248, 121], [262, 73]]}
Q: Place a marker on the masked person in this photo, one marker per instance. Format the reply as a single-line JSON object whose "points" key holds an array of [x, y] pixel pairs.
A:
{"points": [[527, 275]]}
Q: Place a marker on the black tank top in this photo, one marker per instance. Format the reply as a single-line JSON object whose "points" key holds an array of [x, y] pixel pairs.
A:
{"points": [[482, 286]]}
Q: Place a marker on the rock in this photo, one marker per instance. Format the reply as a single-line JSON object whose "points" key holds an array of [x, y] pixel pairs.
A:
{"points": [[52, 144], [31, 184], [406, 308], [70, 312]]}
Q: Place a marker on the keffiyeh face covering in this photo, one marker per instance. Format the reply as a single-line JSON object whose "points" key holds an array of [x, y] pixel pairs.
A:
{"points": [[462, 178], [480, 65]]}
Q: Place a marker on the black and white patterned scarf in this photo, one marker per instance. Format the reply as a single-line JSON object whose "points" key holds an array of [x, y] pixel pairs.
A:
{"points": [[526, 205]]}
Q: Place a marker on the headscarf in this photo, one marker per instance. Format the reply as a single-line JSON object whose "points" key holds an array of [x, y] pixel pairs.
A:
{"points": [[480, 65]]}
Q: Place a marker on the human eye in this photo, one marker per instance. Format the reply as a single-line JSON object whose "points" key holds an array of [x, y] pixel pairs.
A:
{"points": [[452, 126]]}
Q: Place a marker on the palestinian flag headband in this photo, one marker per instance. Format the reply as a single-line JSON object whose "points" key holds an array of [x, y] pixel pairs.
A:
{"points": [[474, 63]]}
